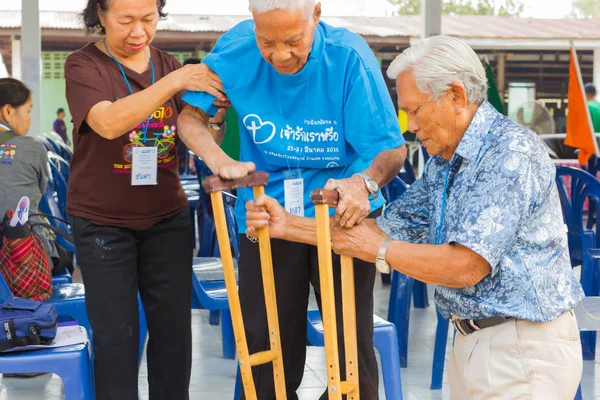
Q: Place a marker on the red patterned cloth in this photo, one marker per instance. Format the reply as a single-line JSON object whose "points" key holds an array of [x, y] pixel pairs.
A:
{"points": [[24, 262]]}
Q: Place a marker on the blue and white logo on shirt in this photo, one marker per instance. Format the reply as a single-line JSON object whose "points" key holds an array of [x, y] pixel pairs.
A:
{"points": [[262, 132]]}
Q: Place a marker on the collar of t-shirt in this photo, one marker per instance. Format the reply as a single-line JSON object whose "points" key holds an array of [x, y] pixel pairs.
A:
{"points": [[204, 101]]}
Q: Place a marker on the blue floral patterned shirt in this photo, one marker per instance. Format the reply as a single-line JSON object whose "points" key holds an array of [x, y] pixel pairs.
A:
{"points": [[502, 203]]}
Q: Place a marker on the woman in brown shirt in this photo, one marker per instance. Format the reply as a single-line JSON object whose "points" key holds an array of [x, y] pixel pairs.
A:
{"points": [[130, 217]]}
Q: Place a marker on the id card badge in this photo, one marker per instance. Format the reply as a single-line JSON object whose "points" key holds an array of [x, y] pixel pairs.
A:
{"points": [[293, 186], [144, 166]]}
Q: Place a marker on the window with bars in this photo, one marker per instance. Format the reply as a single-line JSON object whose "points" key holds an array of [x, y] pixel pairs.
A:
{"points": [[53, 64]]}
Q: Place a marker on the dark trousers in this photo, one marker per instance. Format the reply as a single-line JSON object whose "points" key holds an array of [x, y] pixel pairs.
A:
{"points": [[115, 264], [296, 266]]}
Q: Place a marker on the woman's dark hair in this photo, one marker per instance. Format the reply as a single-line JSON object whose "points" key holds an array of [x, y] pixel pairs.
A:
{"points": [[13, 92], [92, 21]]}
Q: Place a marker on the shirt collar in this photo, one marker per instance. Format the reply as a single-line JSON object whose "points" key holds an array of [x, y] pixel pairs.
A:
{"points": [[475, 135], [5, 126]]}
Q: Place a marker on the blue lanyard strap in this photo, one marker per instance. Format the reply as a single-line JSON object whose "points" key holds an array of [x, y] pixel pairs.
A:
{"points": [[145, 124], [443, 211], [452, 167]]}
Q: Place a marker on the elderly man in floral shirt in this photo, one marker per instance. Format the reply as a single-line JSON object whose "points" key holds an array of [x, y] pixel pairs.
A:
{"points": [[483, 223]]}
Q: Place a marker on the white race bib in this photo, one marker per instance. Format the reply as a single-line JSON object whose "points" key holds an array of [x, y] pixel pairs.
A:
{"points": [[144, 166]]}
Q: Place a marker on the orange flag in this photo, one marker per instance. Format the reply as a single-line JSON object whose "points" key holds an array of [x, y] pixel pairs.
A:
{"points": [[580, 131]]}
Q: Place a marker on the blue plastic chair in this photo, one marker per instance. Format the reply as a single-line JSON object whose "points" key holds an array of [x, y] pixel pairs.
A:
{"points": [[402, 288], [584, 241], [211, 294], [72, 364], [59, 185], [61, 165], [385, 341], [48, 206], [209, 287], [56, 145], [407, 174], [399, 311], [439, 352]]}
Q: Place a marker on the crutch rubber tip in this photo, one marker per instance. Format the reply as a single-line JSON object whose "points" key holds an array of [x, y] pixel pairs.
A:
{"points": [[217, 184], [325, 196]]}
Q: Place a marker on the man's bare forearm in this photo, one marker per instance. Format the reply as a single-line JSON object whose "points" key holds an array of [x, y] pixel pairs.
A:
{"points": [[301, 230], [204, 142], [386, 165]]}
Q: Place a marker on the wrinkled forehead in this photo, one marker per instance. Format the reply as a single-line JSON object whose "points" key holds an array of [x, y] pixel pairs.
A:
{"points": [[409, 95], [280, 24]]}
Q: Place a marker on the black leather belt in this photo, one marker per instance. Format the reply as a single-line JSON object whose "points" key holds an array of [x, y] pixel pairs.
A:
{"points": [[468, 326]]}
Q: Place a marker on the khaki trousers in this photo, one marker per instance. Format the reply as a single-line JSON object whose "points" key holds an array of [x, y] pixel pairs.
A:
{"points": [[518, 360]]}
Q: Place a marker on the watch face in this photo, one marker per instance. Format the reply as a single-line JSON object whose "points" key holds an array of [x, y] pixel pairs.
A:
{"points": [[373, 187], [382, 266]]}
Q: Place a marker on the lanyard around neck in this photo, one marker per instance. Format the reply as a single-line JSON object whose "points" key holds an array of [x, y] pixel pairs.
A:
{"points": [[147, 123], [123, 71], [456, 166]]}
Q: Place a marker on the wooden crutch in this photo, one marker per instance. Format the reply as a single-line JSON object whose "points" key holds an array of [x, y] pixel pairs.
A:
{"points": [[323, 199], [257, 180]]}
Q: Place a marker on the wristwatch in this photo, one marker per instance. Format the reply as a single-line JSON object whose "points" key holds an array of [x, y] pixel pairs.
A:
{"points": [[214, 126], [372, 186], [380, 263]]}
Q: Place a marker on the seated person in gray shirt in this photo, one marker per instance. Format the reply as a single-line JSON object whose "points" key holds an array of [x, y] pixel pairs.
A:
{"points": [[23, 159]]}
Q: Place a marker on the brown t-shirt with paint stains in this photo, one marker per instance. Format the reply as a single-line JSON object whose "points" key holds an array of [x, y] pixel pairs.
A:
{"points": [[100, 187]]}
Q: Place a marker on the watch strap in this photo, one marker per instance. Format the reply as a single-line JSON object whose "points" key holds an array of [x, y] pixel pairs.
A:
{"points": [[383, 248]]}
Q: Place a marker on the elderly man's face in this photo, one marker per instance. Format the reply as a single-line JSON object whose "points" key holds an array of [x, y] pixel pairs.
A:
{"points": [[285, 38], [434, 122]]}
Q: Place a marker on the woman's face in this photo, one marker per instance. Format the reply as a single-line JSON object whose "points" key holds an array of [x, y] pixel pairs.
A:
{"points": [[18, 117], [130, 25]]}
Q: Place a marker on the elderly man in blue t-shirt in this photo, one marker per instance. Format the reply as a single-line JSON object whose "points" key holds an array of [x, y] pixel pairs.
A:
{"points": [[314, 111], [483, 223]]}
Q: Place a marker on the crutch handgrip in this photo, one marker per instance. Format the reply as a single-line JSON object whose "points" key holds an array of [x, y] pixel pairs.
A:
{"points": [[215, 183], [325, 196]]}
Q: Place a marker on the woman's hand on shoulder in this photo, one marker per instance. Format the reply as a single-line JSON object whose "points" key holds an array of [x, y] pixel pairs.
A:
{"points": [[199, 78]]}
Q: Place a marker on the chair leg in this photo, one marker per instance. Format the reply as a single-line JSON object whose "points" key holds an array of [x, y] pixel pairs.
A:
{"points": [[439, 352], [143, 333], [229, 350], [399, 311], [420, 295], [78, 385], [579, 396], [238, 386], [588, 345], [386, 342], [386, 279], [214, 317]]}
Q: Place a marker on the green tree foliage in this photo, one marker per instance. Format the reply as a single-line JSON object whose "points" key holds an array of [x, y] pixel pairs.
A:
{"points": [[586, 8], [503, 8]]}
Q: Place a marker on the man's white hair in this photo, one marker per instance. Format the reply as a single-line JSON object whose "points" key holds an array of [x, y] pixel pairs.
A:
{"points": [[439, 61], [263, 6]]}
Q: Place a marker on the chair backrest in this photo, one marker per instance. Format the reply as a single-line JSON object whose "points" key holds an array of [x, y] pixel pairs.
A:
{"points": [[584, 190], [5, 291], [49, 206], [394, 189], [60, 188], [209, 246], [61, 164], [408, 173], [47, 142]]}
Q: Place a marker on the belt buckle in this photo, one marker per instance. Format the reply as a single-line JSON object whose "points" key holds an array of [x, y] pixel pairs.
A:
{"points": [[456, 322]]}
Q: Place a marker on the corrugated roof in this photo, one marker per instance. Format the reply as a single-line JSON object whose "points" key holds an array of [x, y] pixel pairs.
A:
{"points": [[400, 26]]}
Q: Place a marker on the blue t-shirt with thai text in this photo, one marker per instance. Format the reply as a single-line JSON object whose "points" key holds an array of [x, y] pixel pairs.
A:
{"points": [[329, 120]]}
